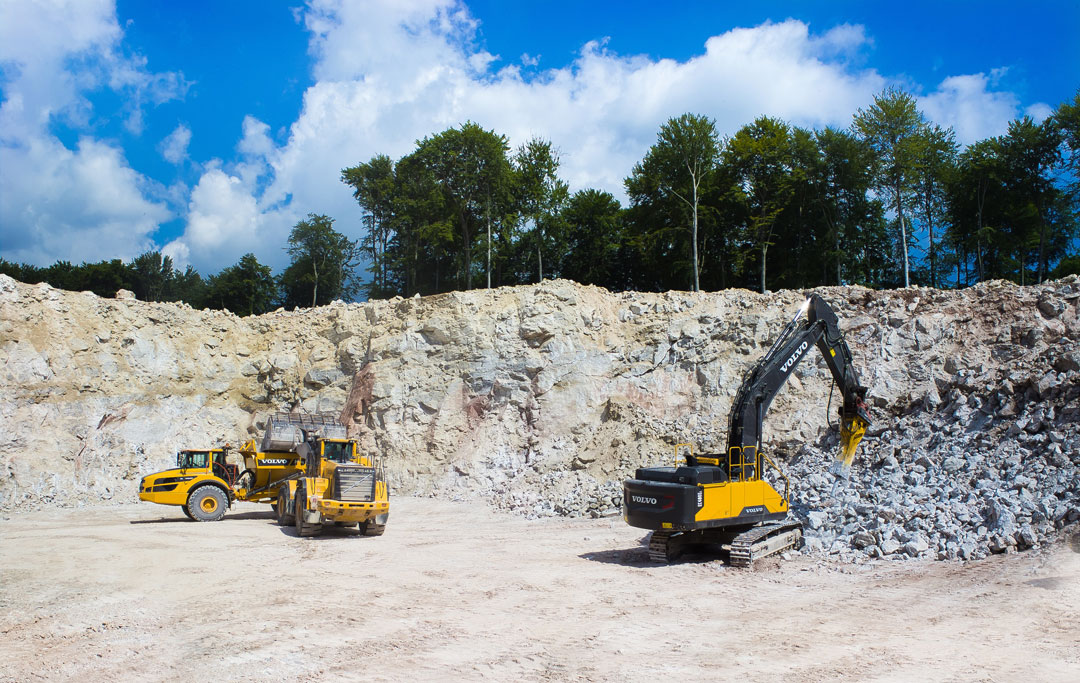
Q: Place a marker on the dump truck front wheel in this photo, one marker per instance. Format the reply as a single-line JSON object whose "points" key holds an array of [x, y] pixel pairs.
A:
{"points": [[207, 504]]}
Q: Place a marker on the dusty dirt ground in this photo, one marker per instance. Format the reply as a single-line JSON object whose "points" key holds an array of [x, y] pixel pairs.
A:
{"points": [[455, 591]]}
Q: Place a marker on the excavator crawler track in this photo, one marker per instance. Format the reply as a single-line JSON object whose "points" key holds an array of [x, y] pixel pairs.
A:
{"points": [[660, 546], [764, 540]]}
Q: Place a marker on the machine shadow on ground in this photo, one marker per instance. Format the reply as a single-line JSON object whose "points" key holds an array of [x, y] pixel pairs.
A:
{"points": [[239, 515], [328, 531], [639, 556]]}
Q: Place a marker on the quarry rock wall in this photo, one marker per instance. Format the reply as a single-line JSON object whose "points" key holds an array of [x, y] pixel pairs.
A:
{"points": [[541, 399]]}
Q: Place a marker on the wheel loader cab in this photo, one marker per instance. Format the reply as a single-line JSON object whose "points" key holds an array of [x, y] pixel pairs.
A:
{"points": [[338, 451]]}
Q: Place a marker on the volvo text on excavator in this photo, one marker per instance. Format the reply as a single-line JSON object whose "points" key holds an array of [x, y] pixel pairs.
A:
{"points": [[724, 498]]}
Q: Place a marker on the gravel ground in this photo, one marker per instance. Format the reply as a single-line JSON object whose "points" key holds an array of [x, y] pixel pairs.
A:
{"points": [[457, 591]]}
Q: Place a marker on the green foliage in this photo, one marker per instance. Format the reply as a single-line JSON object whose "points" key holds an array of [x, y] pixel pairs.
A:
{"points": [[469, 166], [323, 264], [374, 188], [762, 159], [151, 276], [935, 152], [247, 288], [854, 245], [540, 196], [1070, 265], [596, 249], [894, 127], [891, 201], [671, 177]]}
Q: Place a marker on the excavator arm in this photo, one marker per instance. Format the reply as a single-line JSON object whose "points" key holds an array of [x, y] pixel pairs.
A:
{"points": [[814, 325]]}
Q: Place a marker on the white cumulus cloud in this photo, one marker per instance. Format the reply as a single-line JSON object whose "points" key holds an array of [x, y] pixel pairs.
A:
{"points": [[969, 105], [222, 223], [84, 203], [175, 145], [76, 205]]}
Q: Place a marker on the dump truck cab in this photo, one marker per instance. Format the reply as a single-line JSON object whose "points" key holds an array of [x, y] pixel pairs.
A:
{"points": [[201, 483]]}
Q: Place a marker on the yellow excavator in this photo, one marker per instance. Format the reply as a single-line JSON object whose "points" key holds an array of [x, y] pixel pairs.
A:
{"points": [[724, 498]]}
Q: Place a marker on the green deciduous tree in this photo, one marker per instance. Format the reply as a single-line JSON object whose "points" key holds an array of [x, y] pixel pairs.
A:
{"points": [[596, 251], [247, 288], [1031, 152], [686, 151], [374, 187], [152, 276], [323, 264], [893, 126], [540, 196], [935, 161], [760, 157], [470, 166], [842, 182]]}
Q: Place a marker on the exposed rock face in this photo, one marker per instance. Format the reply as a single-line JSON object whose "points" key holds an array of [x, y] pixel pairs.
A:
{"points": [[541, 399]]}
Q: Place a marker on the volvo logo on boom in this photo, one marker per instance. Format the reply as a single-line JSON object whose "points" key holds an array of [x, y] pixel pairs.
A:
{"points": [[794, 357]]}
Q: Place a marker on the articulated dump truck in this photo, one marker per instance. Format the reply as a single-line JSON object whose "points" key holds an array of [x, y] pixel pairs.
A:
{"points": [[306, 468]]}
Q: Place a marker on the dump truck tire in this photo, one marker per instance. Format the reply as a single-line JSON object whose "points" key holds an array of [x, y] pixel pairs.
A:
{"points": [[207, 504], [186, 513]]}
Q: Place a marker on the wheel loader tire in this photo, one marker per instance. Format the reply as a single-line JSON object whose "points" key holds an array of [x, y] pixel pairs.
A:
{"points": [[303, 528], [372, 529], [282, 509], [207, 504]]}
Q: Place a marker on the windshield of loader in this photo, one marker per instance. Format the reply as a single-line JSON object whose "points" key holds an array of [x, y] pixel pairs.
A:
{"points": [[337, 451], [192, 459]]}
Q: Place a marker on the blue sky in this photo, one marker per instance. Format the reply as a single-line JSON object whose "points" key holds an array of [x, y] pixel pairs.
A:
{"points": [[208, 129]]}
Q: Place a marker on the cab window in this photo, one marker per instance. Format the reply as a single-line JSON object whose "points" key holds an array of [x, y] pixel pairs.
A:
{"points": [[186, 459], [336, 451]]}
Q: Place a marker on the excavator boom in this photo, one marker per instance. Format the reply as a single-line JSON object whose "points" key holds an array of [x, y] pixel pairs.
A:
{"points": [[814, 325]]}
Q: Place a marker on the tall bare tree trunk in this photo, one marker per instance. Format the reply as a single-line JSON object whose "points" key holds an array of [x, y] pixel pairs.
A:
{"points": [[488, 211], [903, 233], [764, 251], [1042, 246], [697, 284]]}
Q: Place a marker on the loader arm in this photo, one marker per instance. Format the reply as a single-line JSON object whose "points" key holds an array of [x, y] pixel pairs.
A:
{"points": [[814, 325]]}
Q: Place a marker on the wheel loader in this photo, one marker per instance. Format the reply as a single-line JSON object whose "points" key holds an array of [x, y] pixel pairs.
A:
{"points": [[725, 499], [338, 485]]}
